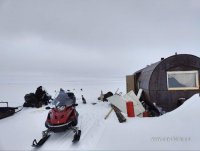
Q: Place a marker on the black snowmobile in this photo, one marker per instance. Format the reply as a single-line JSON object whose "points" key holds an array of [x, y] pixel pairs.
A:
{"points": [[60, 118]]}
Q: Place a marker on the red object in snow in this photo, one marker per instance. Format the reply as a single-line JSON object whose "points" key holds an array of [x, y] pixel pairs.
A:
{"points": [[130, 109]]}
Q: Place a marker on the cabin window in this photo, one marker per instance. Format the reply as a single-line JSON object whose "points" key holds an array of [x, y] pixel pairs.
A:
{"points": [[182, 80]]}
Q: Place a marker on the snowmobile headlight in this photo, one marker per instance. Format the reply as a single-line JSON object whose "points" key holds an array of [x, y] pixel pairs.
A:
{"points": [[60, 108]]}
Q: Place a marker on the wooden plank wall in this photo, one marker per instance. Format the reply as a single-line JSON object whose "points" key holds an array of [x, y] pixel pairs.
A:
{"points": [[130, 83]]}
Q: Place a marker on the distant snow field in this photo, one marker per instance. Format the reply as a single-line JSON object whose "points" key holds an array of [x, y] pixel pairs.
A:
{"points": [[176, 130]]}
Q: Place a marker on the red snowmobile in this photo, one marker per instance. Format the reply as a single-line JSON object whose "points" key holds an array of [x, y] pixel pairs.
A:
{"points": [[60, 118]]}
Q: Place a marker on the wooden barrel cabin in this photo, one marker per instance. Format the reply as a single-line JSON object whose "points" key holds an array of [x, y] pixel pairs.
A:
{"points": [[168, 82]]}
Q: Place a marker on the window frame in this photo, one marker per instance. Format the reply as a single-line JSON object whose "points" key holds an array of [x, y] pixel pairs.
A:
{"points": [[184, 88]]}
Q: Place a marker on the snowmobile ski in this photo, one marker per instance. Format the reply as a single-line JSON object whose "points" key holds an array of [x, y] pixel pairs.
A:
{"points": [[44, 138], [41, 142], [77, 136]]}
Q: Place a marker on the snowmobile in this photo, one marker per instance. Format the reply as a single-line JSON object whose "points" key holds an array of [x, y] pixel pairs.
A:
{"points": [[62, 117]]}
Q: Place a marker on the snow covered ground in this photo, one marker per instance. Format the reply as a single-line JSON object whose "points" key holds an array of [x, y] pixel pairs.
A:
{"points": [[177, 130]]}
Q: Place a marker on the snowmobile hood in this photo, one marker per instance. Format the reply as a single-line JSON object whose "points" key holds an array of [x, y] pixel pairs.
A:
{"points": [[60, 117]]}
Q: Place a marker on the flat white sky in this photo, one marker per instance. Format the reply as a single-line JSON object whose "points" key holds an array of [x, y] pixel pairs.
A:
{"points": [[94, 38]]}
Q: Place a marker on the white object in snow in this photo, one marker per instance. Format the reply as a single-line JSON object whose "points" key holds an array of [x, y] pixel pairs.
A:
{"points": [[120, 102], [139, 93], [138, 107]]}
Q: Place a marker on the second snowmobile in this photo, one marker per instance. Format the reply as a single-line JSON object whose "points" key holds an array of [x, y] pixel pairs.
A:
{"points": [[62, 117]]}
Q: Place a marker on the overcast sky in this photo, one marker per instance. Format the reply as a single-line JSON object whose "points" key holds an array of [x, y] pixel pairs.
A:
{"points": [[94, 37]]}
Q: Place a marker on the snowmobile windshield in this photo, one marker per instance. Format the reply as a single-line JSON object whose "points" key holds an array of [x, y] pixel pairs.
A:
{"points": [[62, 100]]}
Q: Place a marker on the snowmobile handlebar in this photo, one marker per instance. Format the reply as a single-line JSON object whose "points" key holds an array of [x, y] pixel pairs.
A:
{"points": [[48, 108], [73, 105]]}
